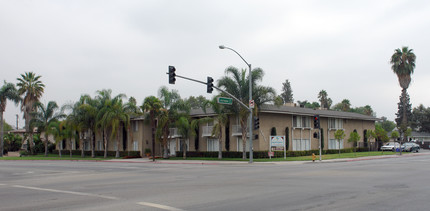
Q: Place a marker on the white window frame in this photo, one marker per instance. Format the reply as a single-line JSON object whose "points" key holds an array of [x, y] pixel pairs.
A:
{"points": [[301, 121], [212, 145], [334, 144], [135, 126], [135, 145], [334, 123], [239, 145], [99, 145], [301, 145]]}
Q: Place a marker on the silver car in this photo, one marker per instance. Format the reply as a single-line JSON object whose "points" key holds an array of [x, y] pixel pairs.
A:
{"points": [[390, 146]]}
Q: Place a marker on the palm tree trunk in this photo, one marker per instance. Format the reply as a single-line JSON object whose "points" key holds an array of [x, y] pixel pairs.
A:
{"points": [[1, 134], [220, 143], [105, 143], [81, 143], [243, 140], [184, 149], [92, 142], [130, 133], [46, 144], [70, 147], [117, 145]]}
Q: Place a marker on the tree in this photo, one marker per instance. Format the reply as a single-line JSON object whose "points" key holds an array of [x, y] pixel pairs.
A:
{"points": [[403, 115], [60, 133], [395, 135], [386, 124], [152, 105], [7, 92], [403, 65], [113, 114], [132, 110], [236, 83], [196, 102], [32, 88], [380, 135], [325, 101], [339, 135], [421, 119], [370, 134], [345, 105], [287, 92], [43, 116], [88, 109], [220, 121], [354, 138]]}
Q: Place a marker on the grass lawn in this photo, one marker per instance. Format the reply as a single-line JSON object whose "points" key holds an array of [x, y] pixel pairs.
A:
{"points": [[54, 157], [303, 158]]}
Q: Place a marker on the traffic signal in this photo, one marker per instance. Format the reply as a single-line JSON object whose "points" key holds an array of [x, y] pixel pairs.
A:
{"points": [[172, 75], [210, 85], [256, 123], [317, 121]]}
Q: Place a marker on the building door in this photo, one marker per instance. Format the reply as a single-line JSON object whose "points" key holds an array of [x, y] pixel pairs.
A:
{"points": [[172, 147]]}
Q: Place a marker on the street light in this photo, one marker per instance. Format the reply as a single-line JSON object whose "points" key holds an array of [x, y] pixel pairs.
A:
{"points": [[250, 98]]}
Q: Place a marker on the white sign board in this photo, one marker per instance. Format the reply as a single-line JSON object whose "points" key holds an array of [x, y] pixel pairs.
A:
{"points": [[277, 143]]}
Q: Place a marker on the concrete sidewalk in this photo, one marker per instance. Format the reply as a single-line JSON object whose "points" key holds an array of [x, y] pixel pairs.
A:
{"points": [[216, 162]]}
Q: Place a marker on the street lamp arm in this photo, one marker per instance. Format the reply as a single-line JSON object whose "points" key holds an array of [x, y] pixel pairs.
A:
{"points": [[224, 47]]}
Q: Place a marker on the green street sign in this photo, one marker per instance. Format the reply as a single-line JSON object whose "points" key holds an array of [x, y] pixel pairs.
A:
{"points": [[224, 100]]}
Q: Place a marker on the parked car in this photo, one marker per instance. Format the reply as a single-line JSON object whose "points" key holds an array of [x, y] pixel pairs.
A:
{"points": [[390, 146], [410, 147]]}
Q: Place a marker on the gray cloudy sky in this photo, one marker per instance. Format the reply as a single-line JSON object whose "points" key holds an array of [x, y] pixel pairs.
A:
{"points": [[341, 46]]}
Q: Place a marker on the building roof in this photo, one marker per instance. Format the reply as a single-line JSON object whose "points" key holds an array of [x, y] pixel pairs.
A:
{"points": [[297, 111]]}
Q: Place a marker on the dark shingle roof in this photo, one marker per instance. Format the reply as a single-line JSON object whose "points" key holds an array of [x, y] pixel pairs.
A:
{"points": [[297, 111]]}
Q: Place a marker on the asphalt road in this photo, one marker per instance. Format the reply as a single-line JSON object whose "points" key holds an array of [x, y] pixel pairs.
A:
{"points": [[400, 183]]}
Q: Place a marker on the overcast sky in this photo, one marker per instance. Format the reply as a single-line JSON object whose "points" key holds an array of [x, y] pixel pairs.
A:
{"points": [[343, 47]]}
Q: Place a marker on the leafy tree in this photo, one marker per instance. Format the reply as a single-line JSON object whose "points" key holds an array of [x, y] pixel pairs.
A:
{"points": [[237, 83], [32, 88], [12, 142], [325, 101], [306, 104], [152, 105], [132, 110], [421, 119], [403, 65], [60, 133], [345, 105], [354, 138], [370, 134], [395, 135], [43, 116], [386, 124], [196, 102], [380, 135], [287, 92], [7, 92], [87, 113], [278, 101], [339, 135]]}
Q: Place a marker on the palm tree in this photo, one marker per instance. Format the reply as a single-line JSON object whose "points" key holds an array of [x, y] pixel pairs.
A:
{"points": [[238, 86], [88, 109], [132, 110], [77, 118], [152, 105], [221, 120], [324, 99], [7, 92], [106, 117], [403, 65], [113, 115], [43, 116], [60, 132], [32, 88]]}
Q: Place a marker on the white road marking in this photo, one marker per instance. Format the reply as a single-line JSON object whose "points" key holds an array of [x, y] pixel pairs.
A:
{"points": [[63, 191], [159, 206]]}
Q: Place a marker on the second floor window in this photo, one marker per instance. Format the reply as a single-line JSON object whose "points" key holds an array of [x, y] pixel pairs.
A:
{"points": [[301, 121], [335, 123]]}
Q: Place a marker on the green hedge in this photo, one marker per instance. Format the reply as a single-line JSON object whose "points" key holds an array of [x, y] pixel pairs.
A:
{"points": [[100, 153], [263, 154]]}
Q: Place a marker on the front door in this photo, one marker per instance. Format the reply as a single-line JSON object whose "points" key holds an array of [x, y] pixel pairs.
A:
{"points": [[172, 147]]}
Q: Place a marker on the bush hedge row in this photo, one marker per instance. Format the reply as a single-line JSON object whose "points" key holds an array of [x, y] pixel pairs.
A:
{"points": [[100, 153], [264, 154]]}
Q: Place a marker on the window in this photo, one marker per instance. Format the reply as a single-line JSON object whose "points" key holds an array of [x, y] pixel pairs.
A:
{"points": [[135, 126], [213, 145], [240, 147], [135, 146], [335, 123], [99, 145], [115, 145], [334, 144], [87, 146], [301, 145], [301, 121]]}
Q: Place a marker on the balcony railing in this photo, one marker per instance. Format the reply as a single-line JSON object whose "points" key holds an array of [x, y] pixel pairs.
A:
{"points": [[236, 130], [174, 133], [207, 131]]}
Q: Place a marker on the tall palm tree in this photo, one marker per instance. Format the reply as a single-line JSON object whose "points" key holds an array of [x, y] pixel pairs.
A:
{"points": [[79, 120], [7, 92], [132, 110], [43, 116], [113, 115], [403, 65], [89, 111], [237, 83], [152, 105], [32, 88], [324, 99], [220, 121]]}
